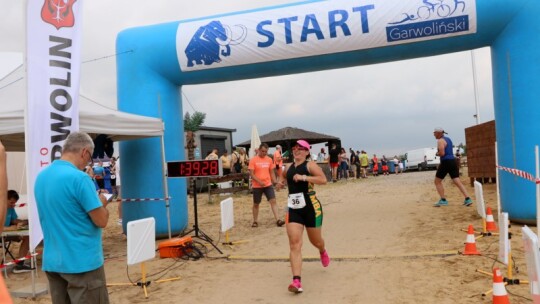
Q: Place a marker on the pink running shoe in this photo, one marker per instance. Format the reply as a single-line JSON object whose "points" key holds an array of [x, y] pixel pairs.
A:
{"points": [[325, 259], [296, 286]]}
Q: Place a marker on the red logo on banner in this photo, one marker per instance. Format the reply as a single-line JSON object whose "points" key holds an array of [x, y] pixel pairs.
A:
{"points": [[58, 13]]}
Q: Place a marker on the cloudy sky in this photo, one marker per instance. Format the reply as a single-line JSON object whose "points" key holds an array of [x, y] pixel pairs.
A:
{"points": [[385, 108]]}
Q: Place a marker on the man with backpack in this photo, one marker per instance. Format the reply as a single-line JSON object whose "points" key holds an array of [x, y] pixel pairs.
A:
{"points": [[236, 165]]}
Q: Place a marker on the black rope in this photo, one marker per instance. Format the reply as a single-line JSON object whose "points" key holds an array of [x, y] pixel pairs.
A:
{"points": [[14, 81], [189, 102], [87, 61], [108, 56]]}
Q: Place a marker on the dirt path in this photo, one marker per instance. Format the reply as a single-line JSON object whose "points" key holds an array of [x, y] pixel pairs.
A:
{"points": [[388, 244]]}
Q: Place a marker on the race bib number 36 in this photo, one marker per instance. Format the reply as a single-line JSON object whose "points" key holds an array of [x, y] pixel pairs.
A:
{"points": [[296, 201]]}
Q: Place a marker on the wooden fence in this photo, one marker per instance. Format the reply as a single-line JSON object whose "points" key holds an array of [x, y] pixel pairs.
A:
{"points": [[240, 182]]}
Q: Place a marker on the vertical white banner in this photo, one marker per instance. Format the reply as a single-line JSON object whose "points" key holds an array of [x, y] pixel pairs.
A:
{"points": [[53, 45]]}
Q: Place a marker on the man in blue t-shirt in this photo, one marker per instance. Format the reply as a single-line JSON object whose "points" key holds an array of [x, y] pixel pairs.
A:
{"points": [[72, 216], [12, 223], [447, 166]]}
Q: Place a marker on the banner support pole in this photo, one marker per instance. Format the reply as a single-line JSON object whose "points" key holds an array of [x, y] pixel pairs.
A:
{"points": [[166, 186], [497, 178], [537, 162]]}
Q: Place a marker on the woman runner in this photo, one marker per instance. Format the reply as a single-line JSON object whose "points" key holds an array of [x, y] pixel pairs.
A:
{"points": [[304, 209]]}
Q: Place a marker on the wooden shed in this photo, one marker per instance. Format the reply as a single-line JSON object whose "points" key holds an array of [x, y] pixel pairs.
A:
{"points": [[480, 140]]}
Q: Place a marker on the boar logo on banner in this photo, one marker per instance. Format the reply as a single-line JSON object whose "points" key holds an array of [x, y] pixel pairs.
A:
{"points": [[58, 13]]}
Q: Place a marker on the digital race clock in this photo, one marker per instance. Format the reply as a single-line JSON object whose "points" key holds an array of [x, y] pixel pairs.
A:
{"points": [[195, 168]]}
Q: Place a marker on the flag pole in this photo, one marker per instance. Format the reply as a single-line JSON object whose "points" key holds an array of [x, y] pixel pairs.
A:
{"points": [[164, 172], [537, 191], [475, 83]]}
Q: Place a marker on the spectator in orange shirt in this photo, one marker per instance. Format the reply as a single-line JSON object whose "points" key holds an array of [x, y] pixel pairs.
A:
{"points": [[375, 161], [262, 171]]}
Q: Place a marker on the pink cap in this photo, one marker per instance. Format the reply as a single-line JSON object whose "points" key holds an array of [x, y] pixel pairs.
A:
{"points": [[303, 143]]}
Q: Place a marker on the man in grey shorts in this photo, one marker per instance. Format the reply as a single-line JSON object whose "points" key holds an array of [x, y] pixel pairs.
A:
{"points": [[263, 176]]}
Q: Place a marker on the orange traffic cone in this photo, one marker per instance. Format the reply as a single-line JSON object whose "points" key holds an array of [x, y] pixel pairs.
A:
{"points": [[500, 296], [490, 223], [535, 292], [470, 243], [4, 293]]}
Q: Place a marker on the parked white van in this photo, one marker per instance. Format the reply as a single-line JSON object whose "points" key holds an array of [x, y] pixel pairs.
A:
{"points": [[425, 158], [422, 159]]}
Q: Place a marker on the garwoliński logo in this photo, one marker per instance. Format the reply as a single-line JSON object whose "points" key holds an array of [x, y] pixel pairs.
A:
{"points": [[58, 13], [430, 18]]}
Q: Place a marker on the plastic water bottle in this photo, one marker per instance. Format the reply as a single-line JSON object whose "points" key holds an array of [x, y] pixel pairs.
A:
{"points": [[197, 153]]}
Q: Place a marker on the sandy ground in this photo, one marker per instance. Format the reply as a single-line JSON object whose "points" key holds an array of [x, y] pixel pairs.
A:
{"points": [[387, 244]]}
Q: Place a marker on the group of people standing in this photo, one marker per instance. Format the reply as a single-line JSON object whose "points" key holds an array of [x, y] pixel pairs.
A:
{"points": [[356, 164], [236, 162], [100, 173]]}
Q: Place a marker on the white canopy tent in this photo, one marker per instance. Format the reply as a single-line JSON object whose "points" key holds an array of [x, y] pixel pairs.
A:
{"points": [[93, 118]]}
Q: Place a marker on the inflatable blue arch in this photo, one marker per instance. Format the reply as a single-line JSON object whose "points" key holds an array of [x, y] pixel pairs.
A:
{"points": [[318, 35]]}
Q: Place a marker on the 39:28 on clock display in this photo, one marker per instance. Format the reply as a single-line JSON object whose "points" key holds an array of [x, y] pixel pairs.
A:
{"points": [[194, 168]]}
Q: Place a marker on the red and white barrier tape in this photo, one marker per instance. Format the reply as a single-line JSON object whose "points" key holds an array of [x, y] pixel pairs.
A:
{"points": [[126, 200], [144, 199], [521, 174], [18, 260]]}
